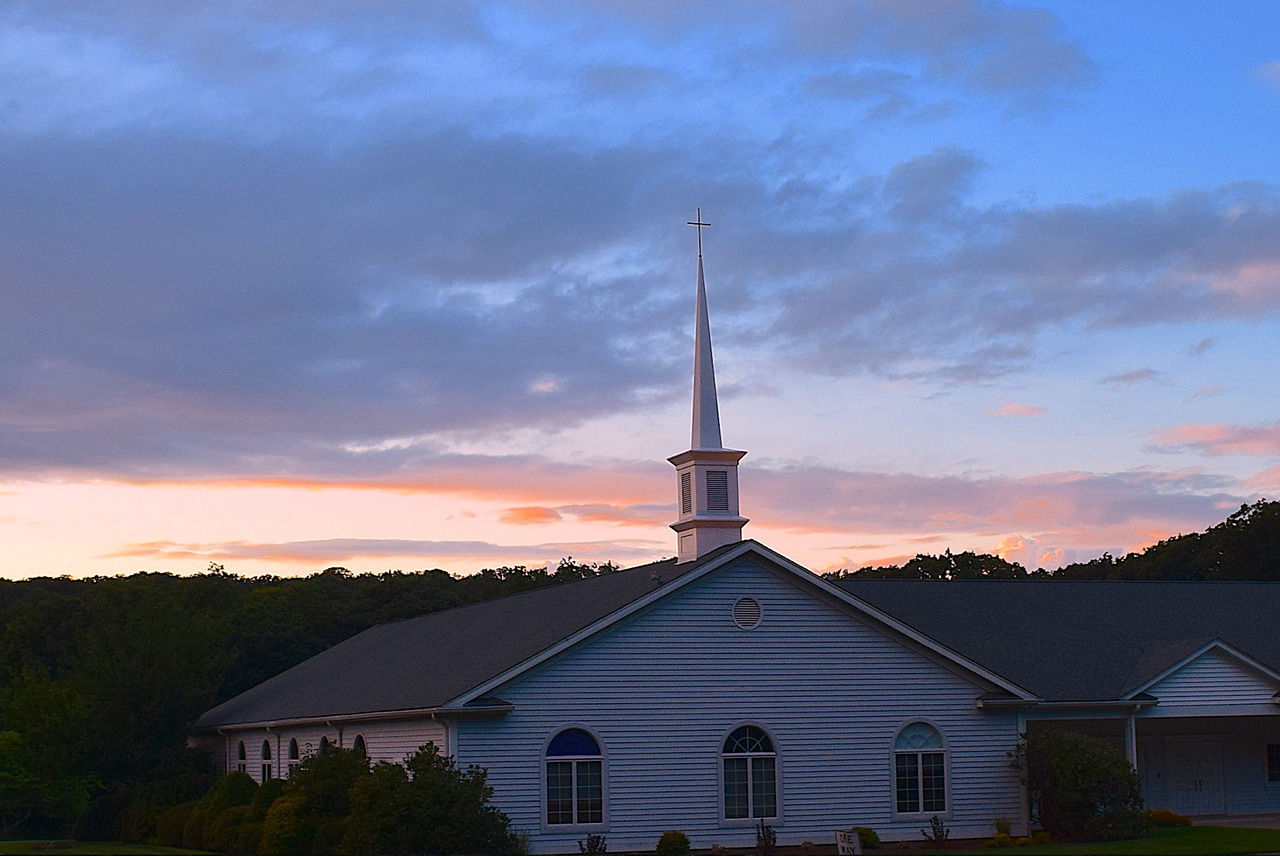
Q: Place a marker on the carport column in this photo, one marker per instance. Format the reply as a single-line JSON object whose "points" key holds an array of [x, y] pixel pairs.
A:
{"points": [[1131, 741]]}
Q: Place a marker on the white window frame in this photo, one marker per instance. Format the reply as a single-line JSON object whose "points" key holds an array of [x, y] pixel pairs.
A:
{"points": [[575, 760], [894, 752], [721, 756], [295, 756], [242, 758]]}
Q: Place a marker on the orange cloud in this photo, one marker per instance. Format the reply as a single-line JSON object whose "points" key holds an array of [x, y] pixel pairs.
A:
{"points": [[1010, 408], [530, 515], [1221, 439]]}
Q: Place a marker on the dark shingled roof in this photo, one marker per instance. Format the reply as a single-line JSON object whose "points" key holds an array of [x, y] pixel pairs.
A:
{"points": [[425, 662], [1082, 641]]}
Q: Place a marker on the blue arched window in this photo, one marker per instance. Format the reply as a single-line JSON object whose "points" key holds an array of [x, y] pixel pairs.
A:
{"points": [[750, 775], [919, 770], [575, 779], [358, 745]]}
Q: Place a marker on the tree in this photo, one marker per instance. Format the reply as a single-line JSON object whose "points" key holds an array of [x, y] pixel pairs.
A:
{"points": [[427, 807], [1084, 788]]}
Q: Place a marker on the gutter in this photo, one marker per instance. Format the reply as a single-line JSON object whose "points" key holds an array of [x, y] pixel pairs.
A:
{"points": [[414, 713], [1118, 705]]}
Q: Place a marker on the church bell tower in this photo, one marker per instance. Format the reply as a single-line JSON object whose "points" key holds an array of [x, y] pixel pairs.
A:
{"points": [[707, 474]]}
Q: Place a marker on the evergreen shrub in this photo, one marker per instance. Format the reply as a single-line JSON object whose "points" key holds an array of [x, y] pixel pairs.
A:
{"points": [[1084, 788], [672, 843]]}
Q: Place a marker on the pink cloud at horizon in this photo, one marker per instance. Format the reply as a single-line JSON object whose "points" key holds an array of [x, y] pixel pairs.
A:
{"points": [[1223, 439]]}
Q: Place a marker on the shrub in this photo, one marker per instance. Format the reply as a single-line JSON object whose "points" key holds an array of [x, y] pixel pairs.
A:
{"points": [[1165, 817], [1041, 837], [1000, 839], [233, 789], [1003, 825], [594, 844], [1022, 841], [194, 827], [287, 830], [222, 832], [672, 843], [1084, 788], [170, 824], [868, 836], [432, 807], [267, 793]]}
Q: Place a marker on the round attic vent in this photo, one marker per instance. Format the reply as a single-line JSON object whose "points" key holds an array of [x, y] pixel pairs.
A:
{"points": [[746, 612]]}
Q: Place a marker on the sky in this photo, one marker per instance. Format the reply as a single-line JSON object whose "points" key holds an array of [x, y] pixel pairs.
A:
{"points": [[390, 285]]}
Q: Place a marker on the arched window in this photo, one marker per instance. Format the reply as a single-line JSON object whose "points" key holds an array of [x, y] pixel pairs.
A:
{"points": [[358, 746], [324, 746], [575, 779], [750, 775], [919, 770], [293, 756], [266, 760], [242, 760]]}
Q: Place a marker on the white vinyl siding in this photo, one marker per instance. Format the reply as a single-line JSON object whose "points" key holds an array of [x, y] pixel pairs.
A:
{"points": [[664, 689], [1214, 679]]}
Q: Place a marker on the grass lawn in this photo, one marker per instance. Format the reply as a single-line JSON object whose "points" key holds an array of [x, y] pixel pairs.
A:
{"points": [[88, 848], [1186, 841]]}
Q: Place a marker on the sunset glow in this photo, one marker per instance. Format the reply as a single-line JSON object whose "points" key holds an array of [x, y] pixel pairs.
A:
{"points": [[284, 286]]}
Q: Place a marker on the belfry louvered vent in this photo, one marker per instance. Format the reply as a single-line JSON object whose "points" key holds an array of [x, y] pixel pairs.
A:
{"points": [[717, 490], [746, 612], [686, 493]]}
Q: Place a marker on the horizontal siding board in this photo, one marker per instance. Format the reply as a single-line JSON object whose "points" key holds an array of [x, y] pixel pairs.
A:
{"points": [[662, 690], [1214, 678]]}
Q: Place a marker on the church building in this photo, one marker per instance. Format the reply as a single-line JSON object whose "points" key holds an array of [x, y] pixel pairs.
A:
{"points": [[729, 686]]}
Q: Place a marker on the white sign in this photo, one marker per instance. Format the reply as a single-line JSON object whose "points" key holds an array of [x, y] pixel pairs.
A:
{"points": [[848, 843]]}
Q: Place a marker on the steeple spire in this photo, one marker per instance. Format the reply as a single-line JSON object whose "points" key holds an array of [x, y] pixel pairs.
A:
{"points": [[706, 409], [707, 474]]}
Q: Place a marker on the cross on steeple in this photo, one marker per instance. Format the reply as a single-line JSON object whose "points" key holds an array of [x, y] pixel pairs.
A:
{"points": [[697, 221]]}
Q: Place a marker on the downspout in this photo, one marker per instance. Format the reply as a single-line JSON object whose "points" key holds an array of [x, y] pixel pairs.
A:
{"points": [[447, 748]]}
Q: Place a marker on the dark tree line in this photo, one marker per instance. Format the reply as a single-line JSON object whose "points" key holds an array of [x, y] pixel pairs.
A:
{"points": [[101, 678], [1245, 546]]}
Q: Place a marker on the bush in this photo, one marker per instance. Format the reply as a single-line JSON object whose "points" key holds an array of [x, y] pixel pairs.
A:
{"points": [[1041, 837], [672, 843], [1083, 787], [429, 808], [1000, 839], [267, 793], [221, 835], [1003, 825], [870, 840], [171, 822], [1165, 817], [231, 790]]}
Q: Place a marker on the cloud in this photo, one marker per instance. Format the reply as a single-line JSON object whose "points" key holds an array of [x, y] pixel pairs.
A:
{"points": [[1203, 345], [1221, 439], [335, 551], [1010, 408], [530, 514], [1123, 380], [1270, 73]]}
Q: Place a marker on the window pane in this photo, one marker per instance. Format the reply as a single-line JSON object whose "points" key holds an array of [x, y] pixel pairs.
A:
{"points": [[906, 783], [764, 791], [735, 788], [573, 741], [590, 792], [559, 792], [934, 787], [918, 736]]}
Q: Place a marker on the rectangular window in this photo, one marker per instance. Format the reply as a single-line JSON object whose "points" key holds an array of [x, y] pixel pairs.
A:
{"points": [[293, 768], [1273, 763], [933, 785], [736, 791], [764, 800], [590, 792], [717, 490], [906, 783], [559, 792], [266, 772], [920, 782], [686, 493]]}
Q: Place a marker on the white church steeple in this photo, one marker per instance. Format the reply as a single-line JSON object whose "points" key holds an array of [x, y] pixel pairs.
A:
{"points": [[707, 474]]}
